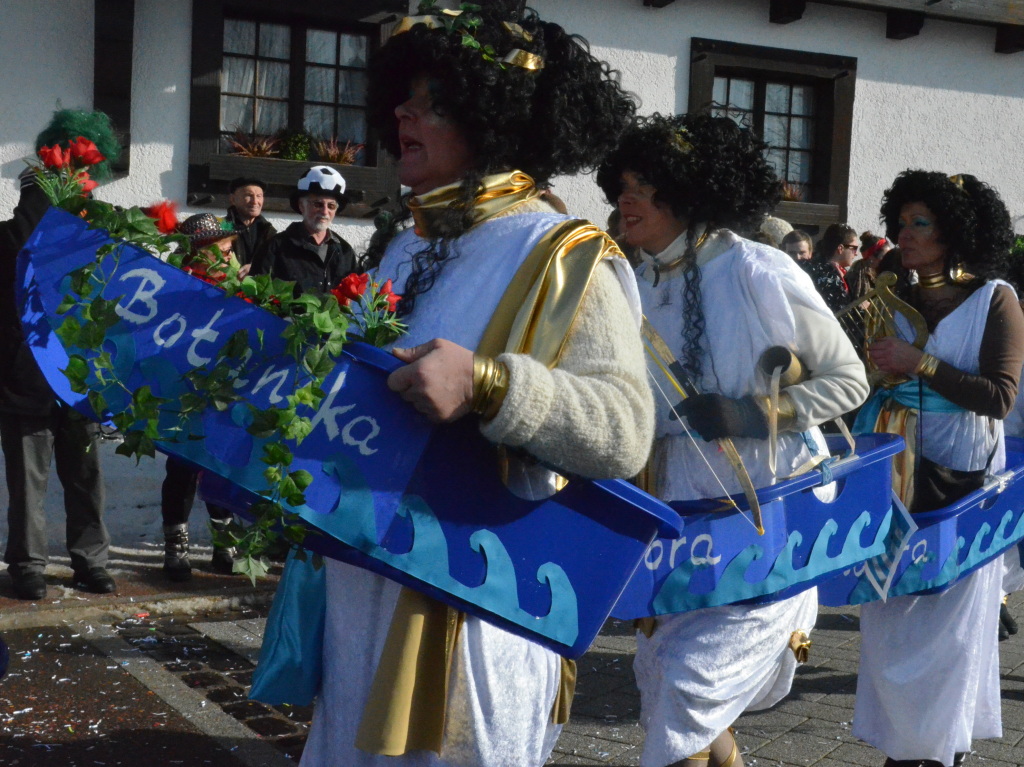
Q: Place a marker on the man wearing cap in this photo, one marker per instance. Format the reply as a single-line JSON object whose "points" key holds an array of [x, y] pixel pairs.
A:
{"points": [[245, 209], [35, 427], [308, 252]]}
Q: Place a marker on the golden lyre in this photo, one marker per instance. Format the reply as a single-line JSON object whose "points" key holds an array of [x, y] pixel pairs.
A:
{"points": [[874, 316]]}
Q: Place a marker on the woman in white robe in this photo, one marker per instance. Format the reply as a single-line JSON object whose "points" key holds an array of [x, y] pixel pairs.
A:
{"points": [[929, 669], [475, 132], [719, 301]]}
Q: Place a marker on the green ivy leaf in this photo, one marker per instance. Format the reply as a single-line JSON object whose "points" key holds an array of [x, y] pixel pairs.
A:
{"points": [[252, 567], [98, 403], [301, 478], [323, 322], [67, 304], [69, 331], [276, 453], [77, 372]]}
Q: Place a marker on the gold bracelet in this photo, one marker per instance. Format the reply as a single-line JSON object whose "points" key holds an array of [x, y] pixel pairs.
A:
{"points": [[787, 410], [927, 367], [490, 385]]}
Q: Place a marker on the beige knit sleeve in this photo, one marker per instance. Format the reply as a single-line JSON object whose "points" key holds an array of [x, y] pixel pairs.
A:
{"points": [[593, 415], [837, 382]]}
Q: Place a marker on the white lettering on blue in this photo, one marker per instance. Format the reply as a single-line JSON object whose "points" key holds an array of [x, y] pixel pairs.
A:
{"points": [[362, 444], [158, 337], [149, 285], [654, 564], [328, 414], [269, 376], [207, 334]]}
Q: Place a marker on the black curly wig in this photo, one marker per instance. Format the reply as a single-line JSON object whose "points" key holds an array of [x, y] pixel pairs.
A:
{"points": [[708, 171], [971, 219], [561, 119]]}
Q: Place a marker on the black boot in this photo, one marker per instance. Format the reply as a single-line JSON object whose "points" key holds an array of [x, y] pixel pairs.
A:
{"points": [[177, 566], [223, 559], [1006, 622]]}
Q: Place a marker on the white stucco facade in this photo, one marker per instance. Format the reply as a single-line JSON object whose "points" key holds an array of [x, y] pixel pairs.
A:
{"points": [[943, 100]]}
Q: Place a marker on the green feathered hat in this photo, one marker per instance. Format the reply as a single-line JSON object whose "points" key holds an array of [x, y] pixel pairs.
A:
{"points": [[68, 124]]}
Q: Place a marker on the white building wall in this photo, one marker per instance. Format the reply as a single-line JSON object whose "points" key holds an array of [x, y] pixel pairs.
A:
{"points": [[35, 79], [943, 100]]}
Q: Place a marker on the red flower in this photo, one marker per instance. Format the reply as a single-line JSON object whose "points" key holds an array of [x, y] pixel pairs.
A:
{"points": [[198, 269], [85, 151], [165, 213], [85, 182], [350, 288], [393, 298], [54, 156]]}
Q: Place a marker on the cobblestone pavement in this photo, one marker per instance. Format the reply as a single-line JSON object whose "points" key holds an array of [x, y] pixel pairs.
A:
{"points": [[193, 673]]}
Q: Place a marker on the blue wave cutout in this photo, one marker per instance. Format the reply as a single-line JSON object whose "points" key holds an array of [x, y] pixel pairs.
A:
{"points": [[675, 595]]}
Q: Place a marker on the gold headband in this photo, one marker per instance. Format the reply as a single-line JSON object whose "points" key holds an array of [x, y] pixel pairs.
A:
{"points": [[517, 31], [516, 57], [431, 22], [958, 180], [681, 142]]}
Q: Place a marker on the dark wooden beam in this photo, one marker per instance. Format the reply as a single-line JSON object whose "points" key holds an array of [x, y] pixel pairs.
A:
{"points": [[786, 11], [899, 25], [112, 68], [1009, 38]]}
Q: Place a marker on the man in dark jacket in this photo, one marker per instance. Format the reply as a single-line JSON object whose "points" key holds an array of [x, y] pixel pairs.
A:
{"points": [[245, 209], [35, 426], [308, 252]]}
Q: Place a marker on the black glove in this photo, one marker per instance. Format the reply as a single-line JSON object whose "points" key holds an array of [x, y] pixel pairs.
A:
{"points": [[714, 416]]}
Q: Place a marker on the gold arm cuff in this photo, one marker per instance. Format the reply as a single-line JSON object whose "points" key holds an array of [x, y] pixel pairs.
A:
{"points": [[490, 385], [786, 417], [700, 756], [927, 367]]}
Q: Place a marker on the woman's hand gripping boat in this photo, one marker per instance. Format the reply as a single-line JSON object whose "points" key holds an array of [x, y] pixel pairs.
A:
{"points": [[425, 506]]}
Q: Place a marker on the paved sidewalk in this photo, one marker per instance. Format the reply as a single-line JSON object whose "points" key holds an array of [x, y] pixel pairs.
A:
{"points": [[173, 687], [157, 673]]}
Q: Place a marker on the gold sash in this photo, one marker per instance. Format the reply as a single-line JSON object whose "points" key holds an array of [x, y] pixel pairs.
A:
{"points": [[408, 698]]}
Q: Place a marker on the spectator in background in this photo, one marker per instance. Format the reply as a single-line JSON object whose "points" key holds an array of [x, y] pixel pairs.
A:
{"points": [[34, 425], [799, 246], [178, 492], [308, 252], [245, 212], [861, 277], [772, 231], [836, 252]]}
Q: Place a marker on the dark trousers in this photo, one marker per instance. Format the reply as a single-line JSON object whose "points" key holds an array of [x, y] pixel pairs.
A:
{"points": [[29, 443], [178, 493]]}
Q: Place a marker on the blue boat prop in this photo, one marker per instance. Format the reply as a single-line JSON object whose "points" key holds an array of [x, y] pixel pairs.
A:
{"points": [[719, 559], [421, 504], [947, 544]]}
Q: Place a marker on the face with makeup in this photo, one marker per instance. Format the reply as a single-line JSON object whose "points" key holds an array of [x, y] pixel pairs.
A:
{"points": [[645, 223], [434, 151], [920, 241]]}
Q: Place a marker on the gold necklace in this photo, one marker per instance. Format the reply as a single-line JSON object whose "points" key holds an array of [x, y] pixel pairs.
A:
{"points": [[932, 281], [659, 268]]}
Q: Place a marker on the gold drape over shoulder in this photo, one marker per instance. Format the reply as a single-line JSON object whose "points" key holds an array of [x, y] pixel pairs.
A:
{"points": [[895, 418], [409, 694], [501, 193]]}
